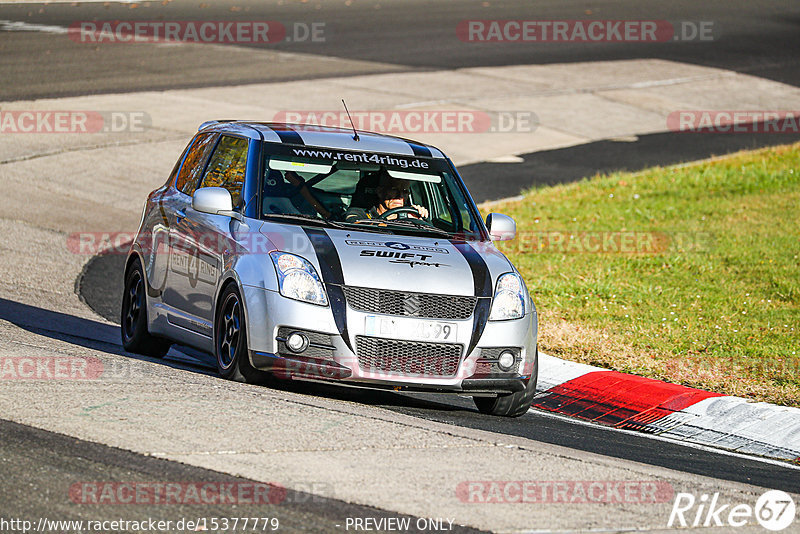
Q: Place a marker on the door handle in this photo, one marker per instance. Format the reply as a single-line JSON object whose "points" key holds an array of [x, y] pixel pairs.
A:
{"points": [[179, 216]]}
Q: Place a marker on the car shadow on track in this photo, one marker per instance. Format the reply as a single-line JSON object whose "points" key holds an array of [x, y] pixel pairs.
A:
{"points": [[371, 397], [94, 335]]}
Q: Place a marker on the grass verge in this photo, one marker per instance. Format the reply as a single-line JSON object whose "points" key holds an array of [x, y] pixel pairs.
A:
{"points": [[689, 274]]}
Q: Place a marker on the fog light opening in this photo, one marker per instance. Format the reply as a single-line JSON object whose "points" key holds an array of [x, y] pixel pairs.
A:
{"points": [[297, 342], [506, 360]]}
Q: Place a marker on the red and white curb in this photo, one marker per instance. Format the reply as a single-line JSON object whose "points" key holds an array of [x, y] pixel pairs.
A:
{"points": [[667, 410]]}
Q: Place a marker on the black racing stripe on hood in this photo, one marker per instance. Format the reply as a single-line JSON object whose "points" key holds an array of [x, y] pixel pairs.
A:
{"points": [[329, 262], [482, 282], [332, 276], [290, 136], [481, 278]]}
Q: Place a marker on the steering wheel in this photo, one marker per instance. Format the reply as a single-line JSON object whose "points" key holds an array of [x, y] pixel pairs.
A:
{"points": [[407, 210]]}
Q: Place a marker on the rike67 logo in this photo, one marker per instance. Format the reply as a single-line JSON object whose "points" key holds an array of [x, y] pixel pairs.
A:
{"points": [[774, 510]]}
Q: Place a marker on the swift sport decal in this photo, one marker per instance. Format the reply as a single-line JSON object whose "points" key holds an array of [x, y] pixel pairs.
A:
{"points": [[409, 258], [412, 263]]}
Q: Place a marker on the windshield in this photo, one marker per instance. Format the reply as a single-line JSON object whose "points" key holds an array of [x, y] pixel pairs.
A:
{"points": [[369, 191]]}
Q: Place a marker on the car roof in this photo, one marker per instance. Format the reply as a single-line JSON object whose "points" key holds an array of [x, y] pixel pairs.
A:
{"points": [[323, 137]]}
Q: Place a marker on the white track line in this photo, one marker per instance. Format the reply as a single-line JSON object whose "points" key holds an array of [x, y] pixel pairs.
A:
{"points": [[19, 26], [45, 2], [669, 440]]}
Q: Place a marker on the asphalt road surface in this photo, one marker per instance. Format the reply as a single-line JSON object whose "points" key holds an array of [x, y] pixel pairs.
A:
{"points": [[563, 165], [756, 38], [40, 468]]}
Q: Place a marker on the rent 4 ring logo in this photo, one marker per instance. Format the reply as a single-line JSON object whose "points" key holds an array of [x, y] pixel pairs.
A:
{"points": [[73, 122], [774, 510]]}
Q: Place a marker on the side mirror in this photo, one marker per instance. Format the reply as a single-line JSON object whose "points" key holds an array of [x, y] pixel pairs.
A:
{"points": [[213, 200], [501, 227]]}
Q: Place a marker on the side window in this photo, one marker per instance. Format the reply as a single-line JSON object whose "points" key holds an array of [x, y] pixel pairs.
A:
{"points": [[194, 162], [227, 167], [177, 166]]}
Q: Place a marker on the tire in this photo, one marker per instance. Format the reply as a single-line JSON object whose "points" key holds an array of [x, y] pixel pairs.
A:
{"points": [[133, 316], [514, 404], [230, 340]]}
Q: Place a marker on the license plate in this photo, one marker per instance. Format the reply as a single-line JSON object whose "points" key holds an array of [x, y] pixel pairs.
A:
{"points": [[413, 329]]}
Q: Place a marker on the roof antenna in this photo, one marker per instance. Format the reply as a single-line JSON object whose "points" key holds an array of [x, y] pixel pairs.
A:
{"points": [[355, 133]]}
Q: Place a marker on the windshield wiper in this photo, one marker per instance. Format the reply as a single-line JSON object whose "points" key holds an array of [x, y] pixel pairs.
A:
{"points": [[419, 225], [302, 218], [404, 224], [368, 225]]}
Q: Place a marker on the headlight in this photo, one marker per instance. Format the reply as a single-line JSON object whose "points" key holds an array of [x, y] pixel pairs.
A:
{"points": [[509, 298], [297, 279]]}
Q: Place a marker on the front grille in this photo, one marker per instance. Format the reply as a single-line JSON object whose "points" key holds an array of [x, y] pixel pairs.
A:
{"points": [[409, 304], [378, 355]]}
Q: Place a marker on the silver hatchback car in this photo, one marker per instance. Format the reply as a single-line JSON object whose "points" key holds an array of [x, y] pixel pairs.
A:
{"points": [[318, 253]]}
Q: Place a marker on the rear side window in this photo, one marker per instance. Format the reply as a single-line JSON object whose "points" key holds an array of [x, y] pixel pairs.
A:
{"points": [[228, 167], [194, 163], [177, 166]]}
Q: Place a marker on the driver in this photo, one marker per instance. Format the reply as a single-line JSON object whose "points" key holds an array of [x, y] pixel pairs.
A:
{"points": [[392, 193]]}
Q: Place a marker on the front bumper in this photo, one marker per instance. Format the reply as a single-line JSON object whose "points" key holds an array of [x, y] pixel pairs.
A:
{"points": [[306, 369], [335, 354]]}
